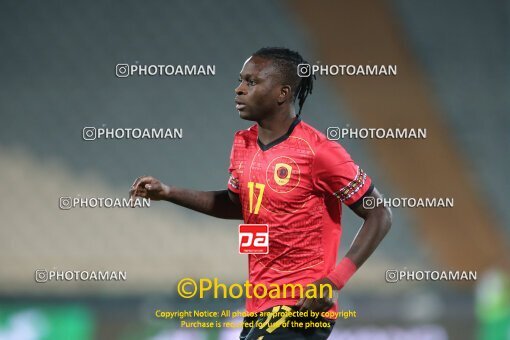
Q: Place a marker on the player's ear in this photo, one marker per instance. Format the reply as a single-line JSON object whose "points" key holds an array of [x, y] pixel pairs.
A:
{"points": [[285, 93]]}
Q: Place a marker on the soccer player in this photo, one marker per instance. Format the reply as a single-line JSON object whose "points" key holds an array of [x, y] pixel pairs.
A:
{"points": [[286, 174]]}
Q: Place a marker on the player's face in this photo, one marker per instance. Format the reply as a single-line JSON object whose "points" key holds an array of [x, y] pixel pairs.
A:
{"points": [[258, 90]]}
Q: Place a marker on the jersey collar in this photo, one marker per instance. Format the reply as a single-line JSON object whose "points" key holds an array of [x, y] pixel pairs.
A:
{"points": [[277, 141]]}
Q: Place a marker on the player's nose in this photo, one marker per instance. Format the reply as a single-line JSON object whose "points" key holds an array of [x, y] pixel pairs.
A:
{"points": [[239, 90]]}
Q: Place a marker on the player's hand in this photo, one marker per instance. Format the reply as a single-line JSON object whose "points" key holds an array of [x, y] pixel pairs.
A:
{"points": [[320, 304], [149, 187]]}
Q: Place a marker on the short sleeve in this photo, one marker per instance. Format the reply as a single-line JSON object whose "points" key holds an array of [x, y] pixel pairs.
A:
{"points": [[233, 169], [336, 174]]}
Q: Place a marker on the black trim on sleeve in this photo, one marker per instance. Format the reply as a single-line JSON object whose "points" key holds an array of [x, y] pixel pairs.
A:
{"points": [[360, 201], [235, 193]]}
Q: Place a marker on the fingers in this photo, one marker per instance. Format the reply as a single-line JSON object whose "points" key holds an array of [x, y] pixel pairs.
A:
{"points": [[136, 180], [138, 183], [326, 306], [300, 302], [316, 305], [141, 192], [132, 190], [303, 304], [310, 304], [139, 187]]}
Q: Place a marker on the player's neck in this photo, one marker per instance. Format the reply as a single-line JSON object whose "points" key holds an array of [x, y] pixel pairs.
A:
{"points": [[273, 128]]}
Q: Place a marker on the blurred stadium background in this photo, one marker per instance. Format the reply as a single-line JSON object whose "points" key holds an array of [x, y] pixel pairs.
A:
{"points": [[58, 75]]}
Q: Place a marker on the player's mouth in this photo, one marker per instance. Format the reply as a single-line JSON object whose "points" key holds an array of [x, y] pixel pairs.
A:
{"points": [[240, 105]]}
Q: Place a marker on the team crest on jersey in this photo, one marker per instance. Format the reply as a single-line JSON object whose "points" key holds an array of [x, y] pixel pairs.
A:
{"points": [[282, 173]]}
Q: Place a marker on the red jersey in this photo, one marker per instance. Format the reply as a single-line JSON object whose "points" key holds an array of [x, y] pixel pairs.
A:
{"points": [[294, 184]]}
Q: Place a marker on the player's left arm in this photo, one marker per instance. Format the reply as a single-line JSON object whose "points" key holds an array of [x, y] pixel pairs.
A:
{"points": [[333, 170], [377, 223]]}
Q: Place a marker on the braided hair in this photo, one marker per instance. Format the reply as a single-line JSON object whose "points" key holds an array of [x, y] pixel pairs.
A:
{"points": [[287, 61]]}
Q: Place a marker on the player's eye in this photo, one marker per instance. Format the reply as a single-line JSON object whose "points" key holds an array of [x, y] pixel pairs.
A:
{"points": [[251, 82]]}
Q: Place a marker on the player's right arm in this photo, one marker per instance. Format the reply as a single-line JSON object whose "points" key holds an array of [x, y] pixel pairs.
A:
{"points": [[222, 204]]}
